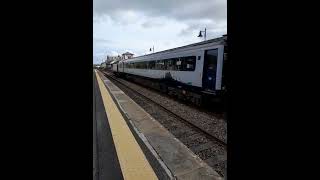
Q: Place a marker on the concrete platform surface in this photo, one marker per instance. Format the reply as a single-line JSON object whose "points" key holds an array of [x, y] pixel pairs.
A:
{"points": [[105, 160], [133, 162], [174, 158]]}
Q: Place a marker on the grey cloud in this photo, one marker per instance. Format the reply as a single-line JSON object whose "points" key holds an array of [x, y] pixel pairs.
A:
{"points": [[111, 6], [176, 9], [101, 40], [124, 17], [214, 29], [152, 23], [191, 27]]}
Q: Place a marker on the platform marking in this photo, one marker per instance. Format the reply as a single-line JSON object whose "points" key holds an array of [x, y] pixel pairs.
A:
{"points": [[134, 165]]}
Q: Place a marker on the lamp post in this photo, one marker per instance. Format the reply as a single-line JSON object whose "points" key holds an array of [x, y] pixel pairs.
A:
{"points": [[152, 49], [205, 34]]}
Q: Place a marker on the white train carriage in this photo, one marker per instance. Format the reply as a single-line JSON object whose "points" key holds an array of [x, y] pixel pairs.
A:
{"points": [[198, 65]]}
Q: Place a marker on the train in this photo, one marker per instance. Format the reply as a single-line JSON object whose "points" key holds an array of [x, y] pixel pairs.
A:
{"points": [[195, 72]]}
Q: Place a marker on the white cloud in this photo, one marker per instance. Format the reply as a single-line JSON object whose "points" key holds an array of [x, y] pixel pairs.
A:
{"points": [[114, 53]]}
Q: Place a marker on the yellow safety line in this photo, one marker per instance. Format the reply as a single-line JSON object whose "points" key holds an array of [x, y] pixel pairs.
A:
{"points": [[133, 162]]}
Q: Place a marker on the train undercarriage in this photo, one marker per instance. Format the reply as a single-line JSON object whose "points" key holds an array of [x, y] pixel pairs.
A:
{"points": [[188, 94]]}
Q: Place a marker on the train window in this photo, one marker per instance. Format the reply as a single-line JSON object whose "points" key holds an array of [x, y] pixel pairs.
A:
{"points": [[160, 65], [139, 65], [212, 59], [145, 65], [170, 64], [152, 65], [176, 64], [188, 63], [165, 64]]}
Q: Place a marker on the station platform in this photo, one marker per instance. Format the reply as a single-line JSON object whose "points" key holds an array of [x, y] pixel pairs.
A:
{"points": [[129, 144]]}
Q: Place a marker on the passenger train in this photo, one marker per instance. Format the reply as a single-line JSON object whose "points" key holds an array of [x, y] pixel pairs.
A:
{"points": [[193, 72]]}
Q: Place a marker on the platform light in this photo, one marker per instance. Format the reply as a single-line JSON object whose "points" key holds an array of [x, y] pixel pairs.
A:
{"points": [[205, 34], [152, 49]]}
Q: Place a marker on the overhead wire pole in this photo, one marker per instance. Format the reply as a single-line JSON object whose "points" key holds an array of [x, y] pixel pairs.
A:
{"points": [[205, 34]]}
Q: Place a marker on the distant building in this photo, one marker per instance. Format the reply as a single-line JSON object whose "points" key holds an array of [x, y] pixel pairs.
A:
{"points": [[127, 55], [103, 65], [113, 58]]}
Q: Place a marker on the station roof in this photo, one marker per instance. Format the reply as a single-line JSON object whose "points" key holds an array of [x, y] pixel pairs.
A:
{"points": [[127, 53]]}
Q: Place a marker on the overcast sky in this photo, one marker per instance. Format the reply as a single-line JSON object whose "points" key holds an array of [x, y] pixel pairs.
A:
{"points": [[137, 25]]}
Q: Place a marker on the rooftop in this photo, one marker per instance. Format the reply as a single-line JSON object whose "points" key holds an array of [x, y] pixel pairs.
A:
{"points": [[127, 53]]}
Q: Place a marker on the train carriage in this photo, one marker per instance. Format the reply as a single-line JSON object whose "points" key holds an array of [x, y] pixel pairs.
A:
{"points": [[190, 72]]}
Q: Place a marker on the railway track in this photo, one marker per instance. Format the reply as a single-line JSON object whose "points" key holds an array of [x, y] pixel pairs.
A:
{"points": [[208, 147], [167, 110]]}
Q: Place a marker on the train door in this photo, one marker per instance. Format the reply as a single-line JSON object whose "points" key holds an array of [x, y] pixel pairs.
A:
{"points": [[210, 69]]}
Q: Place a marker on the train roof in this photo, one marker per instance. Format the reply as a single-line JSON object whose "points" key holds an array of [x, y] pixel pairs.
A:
{"points": [[217, 40]]}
